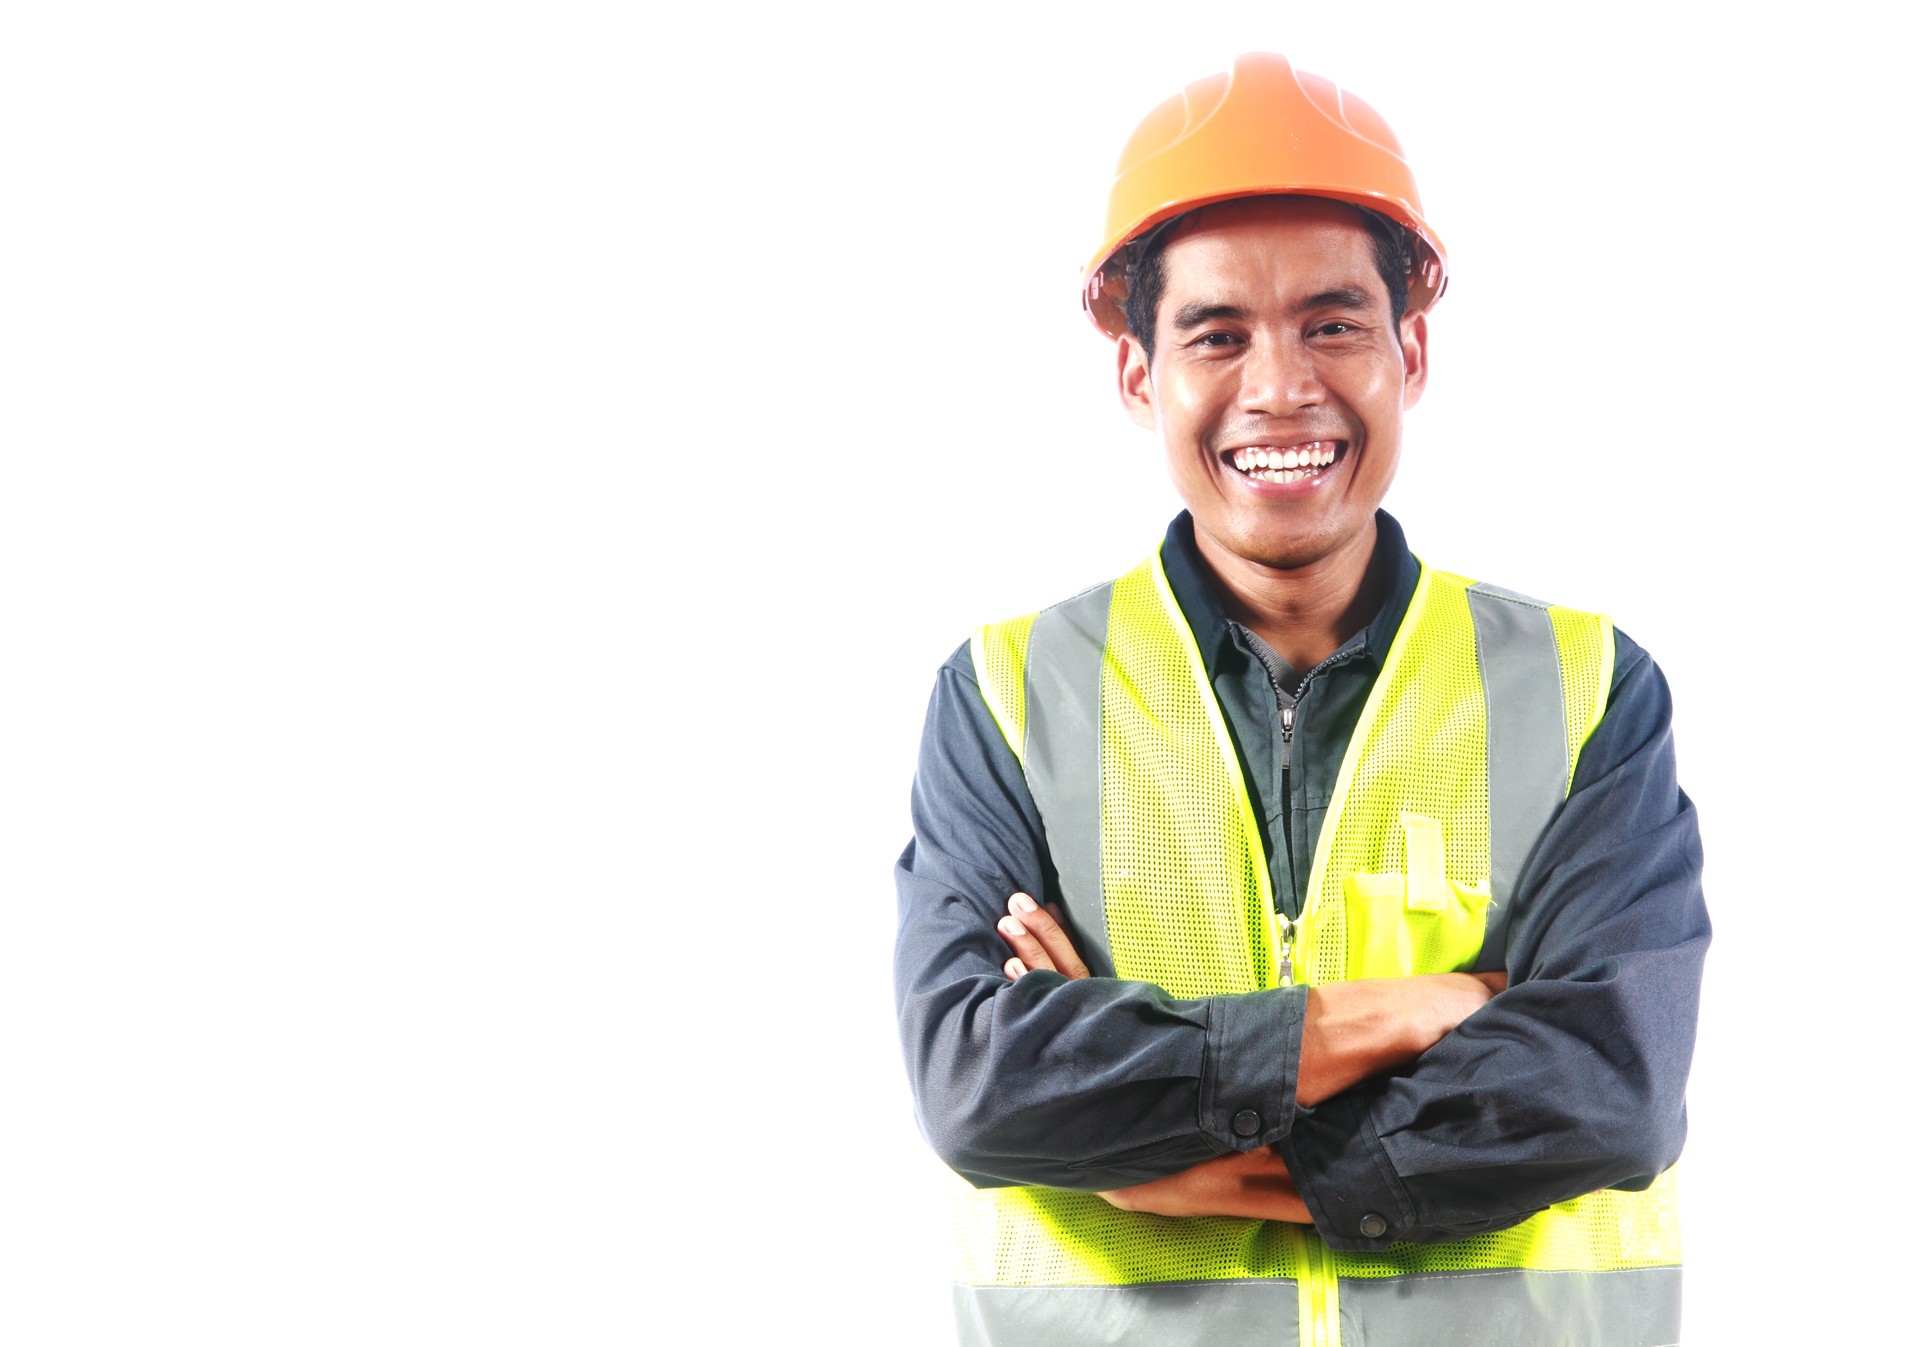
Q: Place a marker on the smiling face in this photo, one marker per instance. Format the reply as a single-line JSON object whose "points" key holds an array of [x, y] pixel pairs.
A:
{"points": [[1277, 382]]}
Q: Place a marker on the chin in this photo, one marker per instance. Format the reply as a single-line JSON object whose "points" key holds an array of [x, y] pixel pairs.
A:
{"points": [[1290, 550]]}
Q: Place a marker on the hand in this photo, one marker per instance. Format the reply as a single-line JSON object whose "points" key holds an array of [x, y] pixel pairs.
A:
{"points": [[1357, 1030], [1038, 938], [1254, 1184]]}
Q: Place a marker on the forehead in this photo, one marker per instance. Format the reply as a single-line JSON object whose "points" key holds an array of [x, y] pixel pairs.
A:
{"points": [[1271, 244]]}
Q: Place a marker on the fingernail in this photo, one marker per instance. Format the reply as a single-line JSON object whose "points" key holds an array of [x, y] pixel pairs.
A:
{"points": [[1011, 926], [1015, 968], [1022, 903]]}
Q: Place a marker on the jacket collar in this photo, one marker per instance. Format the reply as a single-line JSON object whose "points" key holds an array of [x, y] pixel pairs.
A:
{"points": [[1193, 587]]}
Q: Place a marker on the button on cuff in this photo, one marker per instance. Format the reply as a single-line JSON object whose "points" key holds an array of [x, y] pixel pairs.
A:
{"points": [[1247, 1084], [1345, 1178]]}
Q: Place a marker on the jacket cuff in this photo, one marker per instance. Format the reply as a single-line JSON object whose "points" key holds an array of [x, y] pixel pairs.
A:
{"points": [[1350, 1187], [1250, 1078]]}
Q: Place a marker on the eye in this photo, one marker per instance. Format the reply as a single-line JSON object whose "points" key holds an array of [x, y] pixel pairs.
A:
{"points": [[1335, 329], [1216, 339]]}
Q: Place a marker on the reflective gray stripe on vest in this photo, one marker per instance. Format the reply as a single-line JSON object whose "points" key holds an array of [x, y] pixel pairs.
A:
{"points": [[1062, 752], [1494, 1307], [1514, 1307], [1526, 742], [1158, 1314]]}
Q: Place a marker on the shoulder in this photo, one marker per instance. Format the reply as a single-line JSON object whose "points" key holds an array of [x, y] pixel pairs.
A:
{"points": [[956, 705], [1621, 682], [1495, 595], [1630, 660], [1639, 693], [958, 666], [960, 673], [1091, 595], [999, 651]]}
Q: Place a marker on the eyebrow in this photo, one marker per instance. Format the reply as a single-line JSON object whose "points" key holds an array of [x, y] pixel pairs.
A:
{"points": [[1200, 312], [1340, 297]]}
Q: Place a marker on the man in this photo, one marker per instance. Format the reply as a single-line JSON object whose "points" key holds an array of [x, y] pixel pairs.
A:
{"points": [[1297, 943]]}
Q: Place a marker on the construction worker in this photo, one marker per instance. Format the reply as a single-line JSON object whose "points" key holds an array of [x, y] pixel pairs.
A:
{"points": [[1298, 943]]}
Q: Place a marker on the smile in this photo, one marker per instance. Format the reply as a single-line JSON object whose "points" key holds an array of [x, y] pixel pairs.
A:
{"points": [[1286, 463]]}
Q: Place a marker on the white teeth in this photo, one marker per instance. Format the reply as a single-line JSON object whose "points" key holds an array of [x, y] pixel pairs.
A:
{"points": [[1290, 465]]}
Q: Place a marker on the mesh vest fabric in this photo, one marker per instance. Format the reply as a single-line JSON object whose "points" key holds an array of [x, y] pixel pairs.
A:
{"points": [[1398, 886]]}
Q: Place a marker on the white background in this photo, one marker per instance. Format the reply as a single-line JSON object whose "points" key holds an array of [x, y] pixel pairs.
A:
{"points": [[486, 488]]}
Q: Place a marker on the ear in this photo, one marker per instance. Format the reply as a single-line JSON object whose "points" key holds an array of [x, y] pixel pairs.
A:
{"points": [[1136, 382], [1413, 350]]}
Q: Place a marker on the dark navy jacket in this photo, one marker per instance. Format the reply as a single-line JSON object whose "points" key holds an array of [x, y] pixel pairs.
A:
{"points": [[1571, 1080]]}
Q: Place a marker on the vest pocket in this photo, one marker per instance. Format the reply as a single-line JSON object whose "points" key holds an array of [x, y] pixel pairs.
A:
{"points": [[1418, 922]]}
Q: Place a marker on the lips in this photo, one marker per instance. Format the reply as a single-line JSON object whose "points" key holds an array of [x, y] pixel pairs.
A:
{"points": [[1286, 462]]}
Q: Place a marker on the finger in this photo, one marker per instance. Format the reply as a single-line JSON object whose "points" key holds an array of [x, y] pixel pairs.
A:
{"points": [[1051, 934], [1013, 968], [1025, 945]]}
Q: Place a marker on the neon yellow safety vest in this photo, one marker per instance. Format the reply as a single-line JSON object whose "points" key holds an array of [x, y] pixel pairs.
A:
{"points": [[1106, 702]]}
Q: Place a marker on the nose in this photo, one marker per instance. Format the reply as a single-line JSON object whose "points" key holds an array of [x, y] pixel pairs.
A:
{"points": [[1279, 376]]}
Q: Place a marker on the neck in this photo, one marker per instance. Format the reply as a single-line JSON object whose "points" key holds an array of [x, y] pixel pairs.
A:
{"points": [[1304, 613]]}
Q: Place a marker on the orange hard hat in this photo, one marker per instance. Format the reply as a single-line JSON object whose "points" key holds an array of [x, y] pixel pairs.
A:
{"points": [[1262, 127]]}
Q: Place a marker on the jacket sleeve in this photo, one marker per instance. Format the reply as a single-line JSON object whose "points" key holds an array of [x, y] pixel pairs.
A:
{"points": [[1574, 1078], [1095, 1083]]}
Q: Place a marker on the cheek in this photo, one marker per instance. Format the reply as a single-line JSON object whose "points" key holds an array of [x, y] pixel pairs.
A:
{"points": [[1184, 401], [1382, 384]]}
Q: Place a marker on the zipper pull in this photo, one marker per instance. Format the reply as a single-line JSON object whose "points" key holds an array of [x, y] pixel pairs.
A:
{"points": [[1286, 737], [1286, 952]]}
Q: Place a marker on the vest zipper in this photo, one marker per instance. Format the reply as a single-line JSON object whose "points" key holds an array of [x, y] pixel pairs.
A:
{"points": [[1319, 1290], [1320, 1325]]}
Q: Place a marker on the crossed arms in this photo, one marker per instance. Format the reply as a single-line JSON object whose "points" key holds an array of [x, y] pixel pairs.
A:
{"points": [[1315, 1103], [1352, 1031]]}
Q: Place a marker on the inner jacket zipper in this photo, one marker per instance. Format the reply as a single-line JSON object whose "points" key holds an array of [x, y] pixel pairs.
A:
{"points": [[1286, 831], [1286, 787]]}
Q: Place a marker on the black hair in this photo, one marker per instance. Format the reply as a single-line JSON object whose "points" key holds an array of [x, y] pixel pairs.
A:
{"points": [[1147, 277]]}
